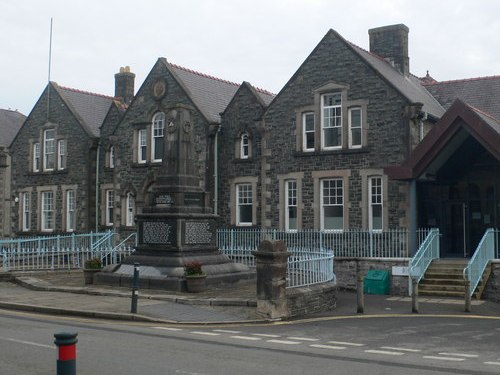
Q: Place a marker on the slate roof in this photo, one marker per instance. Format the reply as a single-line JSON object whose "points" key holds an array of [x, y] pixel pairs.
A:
{"points": [[482, 93], [90, 108], [210, 94], [10, 123]]}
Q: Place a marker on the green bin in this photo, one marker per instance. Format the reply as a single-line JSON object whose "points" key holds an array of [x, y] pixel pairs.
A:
{"points": [[377, 282]]}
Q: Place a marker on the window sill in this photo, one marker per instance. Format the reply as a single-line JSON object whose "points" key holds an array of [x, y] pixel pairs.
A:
{"points": [[243, 161], [146, 165], [48, 173], [346, 151]]}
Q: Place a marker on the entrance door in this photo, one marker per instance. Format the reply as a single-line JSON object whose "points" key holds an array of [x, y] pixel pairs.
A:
{"points": [[454, 241]]}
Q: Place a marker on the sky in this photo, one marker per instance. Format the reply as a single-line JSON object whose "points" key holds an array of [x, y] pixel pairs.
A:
{"points": [[259, 41]]}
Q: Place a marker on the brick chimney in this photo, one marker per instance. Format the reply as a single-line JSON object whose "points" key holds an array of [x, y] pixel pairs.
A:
{"points": [[391, 43], [124, 85]]}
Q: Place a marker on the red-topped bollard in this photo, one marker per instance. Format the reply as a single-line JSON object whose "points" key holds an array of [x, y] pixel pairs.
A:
{"points": [[66, 360]]}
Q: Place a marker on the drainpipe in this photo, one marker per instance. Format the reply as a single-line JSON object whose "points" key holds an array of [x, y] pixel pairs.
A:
{"points": [[216, 171], [413, 217], [98, 153]]}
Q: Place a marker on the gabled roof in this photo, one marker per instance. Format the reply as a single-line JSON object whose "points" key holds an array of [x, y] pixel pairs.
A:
{"points": [[460, 116], [482, 92], [10, 123], [90, 108], [409, 86], [210, 94]]}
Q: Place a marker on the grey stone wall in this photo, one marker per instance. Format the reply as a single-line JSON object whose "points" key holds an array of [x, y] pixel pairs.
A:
{"points": [[492, 290], [312, 299]]}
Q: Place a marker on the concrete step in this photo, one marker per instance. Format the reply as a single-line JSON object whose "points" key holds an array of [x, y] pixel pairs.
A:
{"points": [[438, 293], [442, 281], [443, 288], [443, 275]]}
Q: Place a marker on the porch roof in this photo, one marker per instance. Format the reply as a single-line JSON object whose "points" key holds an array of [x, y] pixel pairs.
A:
{"points": [[459, 117]]}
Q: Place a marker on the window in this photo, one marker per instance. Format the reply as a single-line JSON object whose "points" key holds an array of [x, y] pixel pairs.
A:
{"points": [[375, 203], [70, 210], [291, 205], [332, 204], [36, 157], [142, 146], [110, 205], [47, 211], [130, 210], [355, 133], [26, 211], [111, 161], [308, 129], [244, 204], [49, 144], [61, 152], [244, 146], [157, 136], [331, 111]]}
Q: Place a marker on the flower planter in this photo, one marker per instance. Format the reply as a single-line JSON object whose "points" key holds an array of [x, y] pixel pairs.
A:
{"points": [[196, 283], [88, 275]]}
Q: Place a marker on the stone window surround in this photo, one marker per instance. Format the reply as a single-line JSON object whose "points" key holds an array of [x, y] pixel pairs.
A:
{"points": [[365, 174], [65, 189], [238, 149], [40, 140], [154, 123], [317, 176], [124, 209], [315, 108], [110, 160], [28, 190], [40, 190], [103, 204], [282, 178], [232, 201]]}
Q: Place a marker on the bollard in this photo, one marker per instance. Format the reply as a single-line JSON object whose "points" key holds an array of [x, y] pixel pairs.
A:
{"points": [[66, 361], [414, 295], [360, 294], [468, 301], [135, 289]]}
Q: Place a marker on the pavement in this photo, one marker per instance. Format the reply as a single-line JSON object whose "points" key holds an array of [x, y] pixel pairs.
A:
{"points": [[64, 293]]}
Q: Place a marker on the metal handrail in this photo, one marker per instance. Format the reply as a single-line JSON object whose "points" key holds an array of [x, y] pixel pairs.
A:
{"points": [[484, 253], [427, 252], [108, 235]]}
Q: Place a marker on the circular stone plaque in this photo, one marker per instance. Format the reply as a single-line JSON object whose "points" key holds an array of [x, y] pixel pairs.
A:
{"points": [[159, 89]]}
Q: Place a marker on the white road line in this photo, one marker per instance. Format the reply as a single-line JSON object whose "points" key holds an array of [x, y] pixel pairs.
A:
{"points": [[302, 338], [444, 358], [460, 355], [320, 346], [265, 335], [285, 342], [205, 333], [168, 328], [492, 363], [401, 349], [27, 342], [384, 352], [345, 343], [246, 338], [226, 331]]}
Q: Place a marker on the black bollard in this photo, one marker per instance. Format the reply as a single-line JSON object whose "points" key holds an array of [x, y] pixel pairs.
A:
{"points": [[66, 360], [135, 289]]}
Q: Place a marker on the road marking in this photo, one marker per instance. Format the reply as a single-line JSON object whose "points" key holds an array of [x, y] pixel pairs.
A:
{"points": [[302, 338], [265, 335], [320, 346], [168, 328], [444, 358], [285, 342], [401, 349], [205, 333], [492, 363], [27, 342], [385, 352], [345, 343], [246, 338], [226, 331], [460, 355]]}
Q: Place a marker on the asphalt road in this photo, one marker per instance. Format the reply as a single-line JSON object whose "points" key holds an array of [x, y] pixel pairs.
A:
{"points": [[358, 345]]}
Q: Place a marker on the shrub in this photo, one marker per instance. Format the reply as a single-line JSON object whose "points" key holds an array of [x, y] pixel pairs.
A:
{"points": [[93, 264], [193, 268]]}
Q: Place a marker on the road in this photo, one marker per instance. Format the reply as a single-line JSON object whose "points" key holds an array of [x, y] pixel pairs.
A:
{"points": [[359, 345]]}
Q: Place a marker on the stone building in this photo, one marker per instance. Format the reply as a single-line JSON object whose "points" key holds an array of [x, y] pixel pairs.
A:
{"points": [[10, 123]]}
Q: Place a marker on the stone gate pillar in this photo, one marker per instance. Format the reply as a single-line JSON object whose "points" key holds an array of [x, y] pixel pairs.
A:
{"points": [[271, 261]]}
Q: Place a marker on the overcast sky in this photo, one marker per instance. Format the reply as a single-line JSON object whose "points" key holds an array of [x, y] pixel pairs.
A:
{"points": [[260, 41]]}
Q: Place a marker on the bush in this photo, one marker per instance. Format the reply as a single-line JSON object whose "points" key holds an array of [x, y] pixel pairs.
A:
{"points": [[193, 268], [93, 264]]}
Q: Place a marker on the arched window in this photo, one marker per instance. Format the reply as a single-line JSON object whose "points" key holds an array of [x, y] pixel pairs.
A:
{"points": [[130, 209], [244, 146], [157, 134], [111, 161]]}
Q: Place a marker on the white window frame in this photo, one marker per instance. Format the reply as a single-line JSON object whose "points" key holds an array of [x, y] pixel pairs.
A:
{"points": [[70, 210], [244, 146], [358, 127], [244, 197], [291, 200], [130, 206], [47, 210], [49, 150], [61, 154], [306, 131], [36, 157], [331, 118], [26, 211], [375, 198], [142, 145], [334, 200], [157, 131], [111, 161], [110, 206]]}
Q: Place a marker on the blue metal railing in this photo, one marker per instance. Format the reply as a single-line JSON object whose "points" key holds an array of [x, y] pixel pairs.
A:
{"points": [[306, 267], [427, 252], [484, 253]]}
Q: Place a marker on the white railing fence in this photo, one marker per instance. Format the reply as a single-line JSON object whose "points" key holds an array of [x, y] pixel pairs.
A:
{"points": [[307, 267]]}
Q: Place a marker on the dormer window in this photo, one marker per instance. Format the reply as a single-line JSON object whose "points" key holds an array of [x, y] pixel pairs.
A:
{"points": [[157, 135], [244, 146]]}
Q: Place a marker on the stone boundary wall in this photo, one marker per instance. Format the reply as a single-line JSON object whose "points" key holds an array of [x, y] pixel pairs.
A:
{"points": [[492, 290], [311, 299]]}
